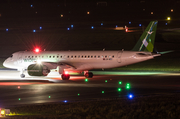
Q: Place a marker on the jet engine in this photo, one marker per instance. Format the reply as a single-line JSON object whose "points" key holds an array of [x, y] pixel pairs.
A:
{"points": [[38, 70]]}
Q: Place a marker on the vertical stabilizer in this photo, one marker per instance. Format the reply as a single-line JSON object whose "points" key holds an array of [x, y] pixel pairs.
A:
{"points": [[146, 41]]}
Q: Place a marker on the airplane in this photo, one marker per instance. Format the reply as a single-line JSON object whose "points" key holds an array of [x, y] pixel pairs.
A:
{"points": [[40, 63]]}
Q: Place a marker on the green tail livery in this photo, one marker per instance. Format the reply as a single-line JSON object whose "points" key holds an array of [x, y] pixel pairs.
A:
{"points": [[146, 41]]}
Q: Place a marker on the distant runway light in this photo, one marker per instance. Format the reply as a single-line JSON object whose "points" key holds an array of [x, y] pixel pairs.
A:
{"points": [[19, 87], [106, 81], [166, 23], [78, 94], [172, 10], [86, 80], [65, 101], [120, 82], [101, 24], [68, 29], [116, 25], [72, 26], [34, 31], [130, 96], [31, 5], [140, 25], [129, 22], [40, 27], [7, 29], [92, 27], [119, 89], [152, 13], [88, 12], [102, 91], [49, 96], [61, 15], [168, 18], [19, 98]]}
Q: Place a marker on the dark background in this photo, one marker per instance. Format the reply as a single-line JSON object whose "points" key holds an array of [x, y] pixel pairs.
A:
{"points": [[21, 19]]}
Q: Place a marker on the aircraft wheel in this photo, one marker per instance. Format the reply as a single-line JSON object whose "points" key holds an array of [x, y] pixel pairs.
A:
{"points": [[65, 76], [89, 75], [22, 75]]}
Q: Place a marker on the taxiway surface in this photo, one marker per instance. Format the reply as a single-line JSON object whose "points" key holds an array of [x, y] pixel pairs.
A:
{"points": [[104, 85]]}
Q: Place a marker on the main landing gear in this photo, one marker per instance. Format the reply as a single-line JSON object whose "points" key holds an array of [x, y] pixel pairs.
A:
{"points": [[65, 76], [88, 74]]}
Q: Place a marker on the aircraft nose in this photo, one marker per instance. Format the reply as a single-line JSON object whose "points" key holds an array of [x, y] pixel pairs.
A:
{"points": [[6, 62]]}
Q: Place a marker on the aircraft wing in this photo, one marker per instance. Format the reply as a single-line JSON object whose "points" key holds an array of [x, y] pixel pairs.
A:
{"points": [[53, 65]]}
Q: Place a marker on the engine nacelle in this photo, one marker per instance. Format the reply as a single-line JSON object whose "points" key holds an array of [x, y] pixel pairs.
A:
{"points": [[38, 70]]}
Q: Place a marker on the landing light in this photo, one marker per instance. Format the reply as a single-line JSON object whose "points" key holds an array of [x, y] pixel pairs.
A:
{"points": [[38, 61]]}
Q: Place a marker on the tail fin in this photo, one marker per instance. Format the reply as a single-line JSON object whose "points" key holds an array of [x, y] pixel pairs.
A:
{"points": [[146, 41]]}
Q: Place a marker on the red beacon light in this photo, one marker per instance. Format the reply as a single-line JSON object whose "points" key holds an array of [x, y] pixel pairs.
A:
{"points": [[37, 50]]}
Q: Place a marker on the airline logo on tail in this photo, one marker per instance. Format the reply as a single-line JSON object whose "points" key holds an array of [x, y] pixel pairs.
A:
{"points": [[146, 41]]}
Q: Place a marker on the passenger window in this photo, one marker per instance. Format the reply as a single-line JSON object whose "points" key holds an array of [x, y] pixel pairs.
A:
{"points": [[71, 56], [67, 56], [61, 56], [113, 56], [53, 56], [98, 56], [75, 56], [49, 56], [32, 56], [88, 56], [28, 56], [85, 56], [35, 56], [25, 56], [57, 56], [91, 56], [78, 56], [82, 56], [42, 56], [106, 56], [94, 56]]}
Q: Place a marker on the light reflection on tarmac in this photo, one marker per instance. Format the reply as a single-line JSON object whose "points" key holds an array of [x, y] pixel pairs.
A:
{"points": [[30, 90]]}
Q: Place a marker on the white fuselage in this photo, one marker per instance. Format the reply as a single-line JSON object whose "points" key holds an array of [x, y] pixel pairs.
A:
{"points": [[77, 60]]}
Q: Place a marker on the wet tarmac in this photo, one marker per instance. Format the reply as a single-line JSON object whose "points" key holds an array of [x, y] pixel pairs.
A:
{"points": [[104, 85]]}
